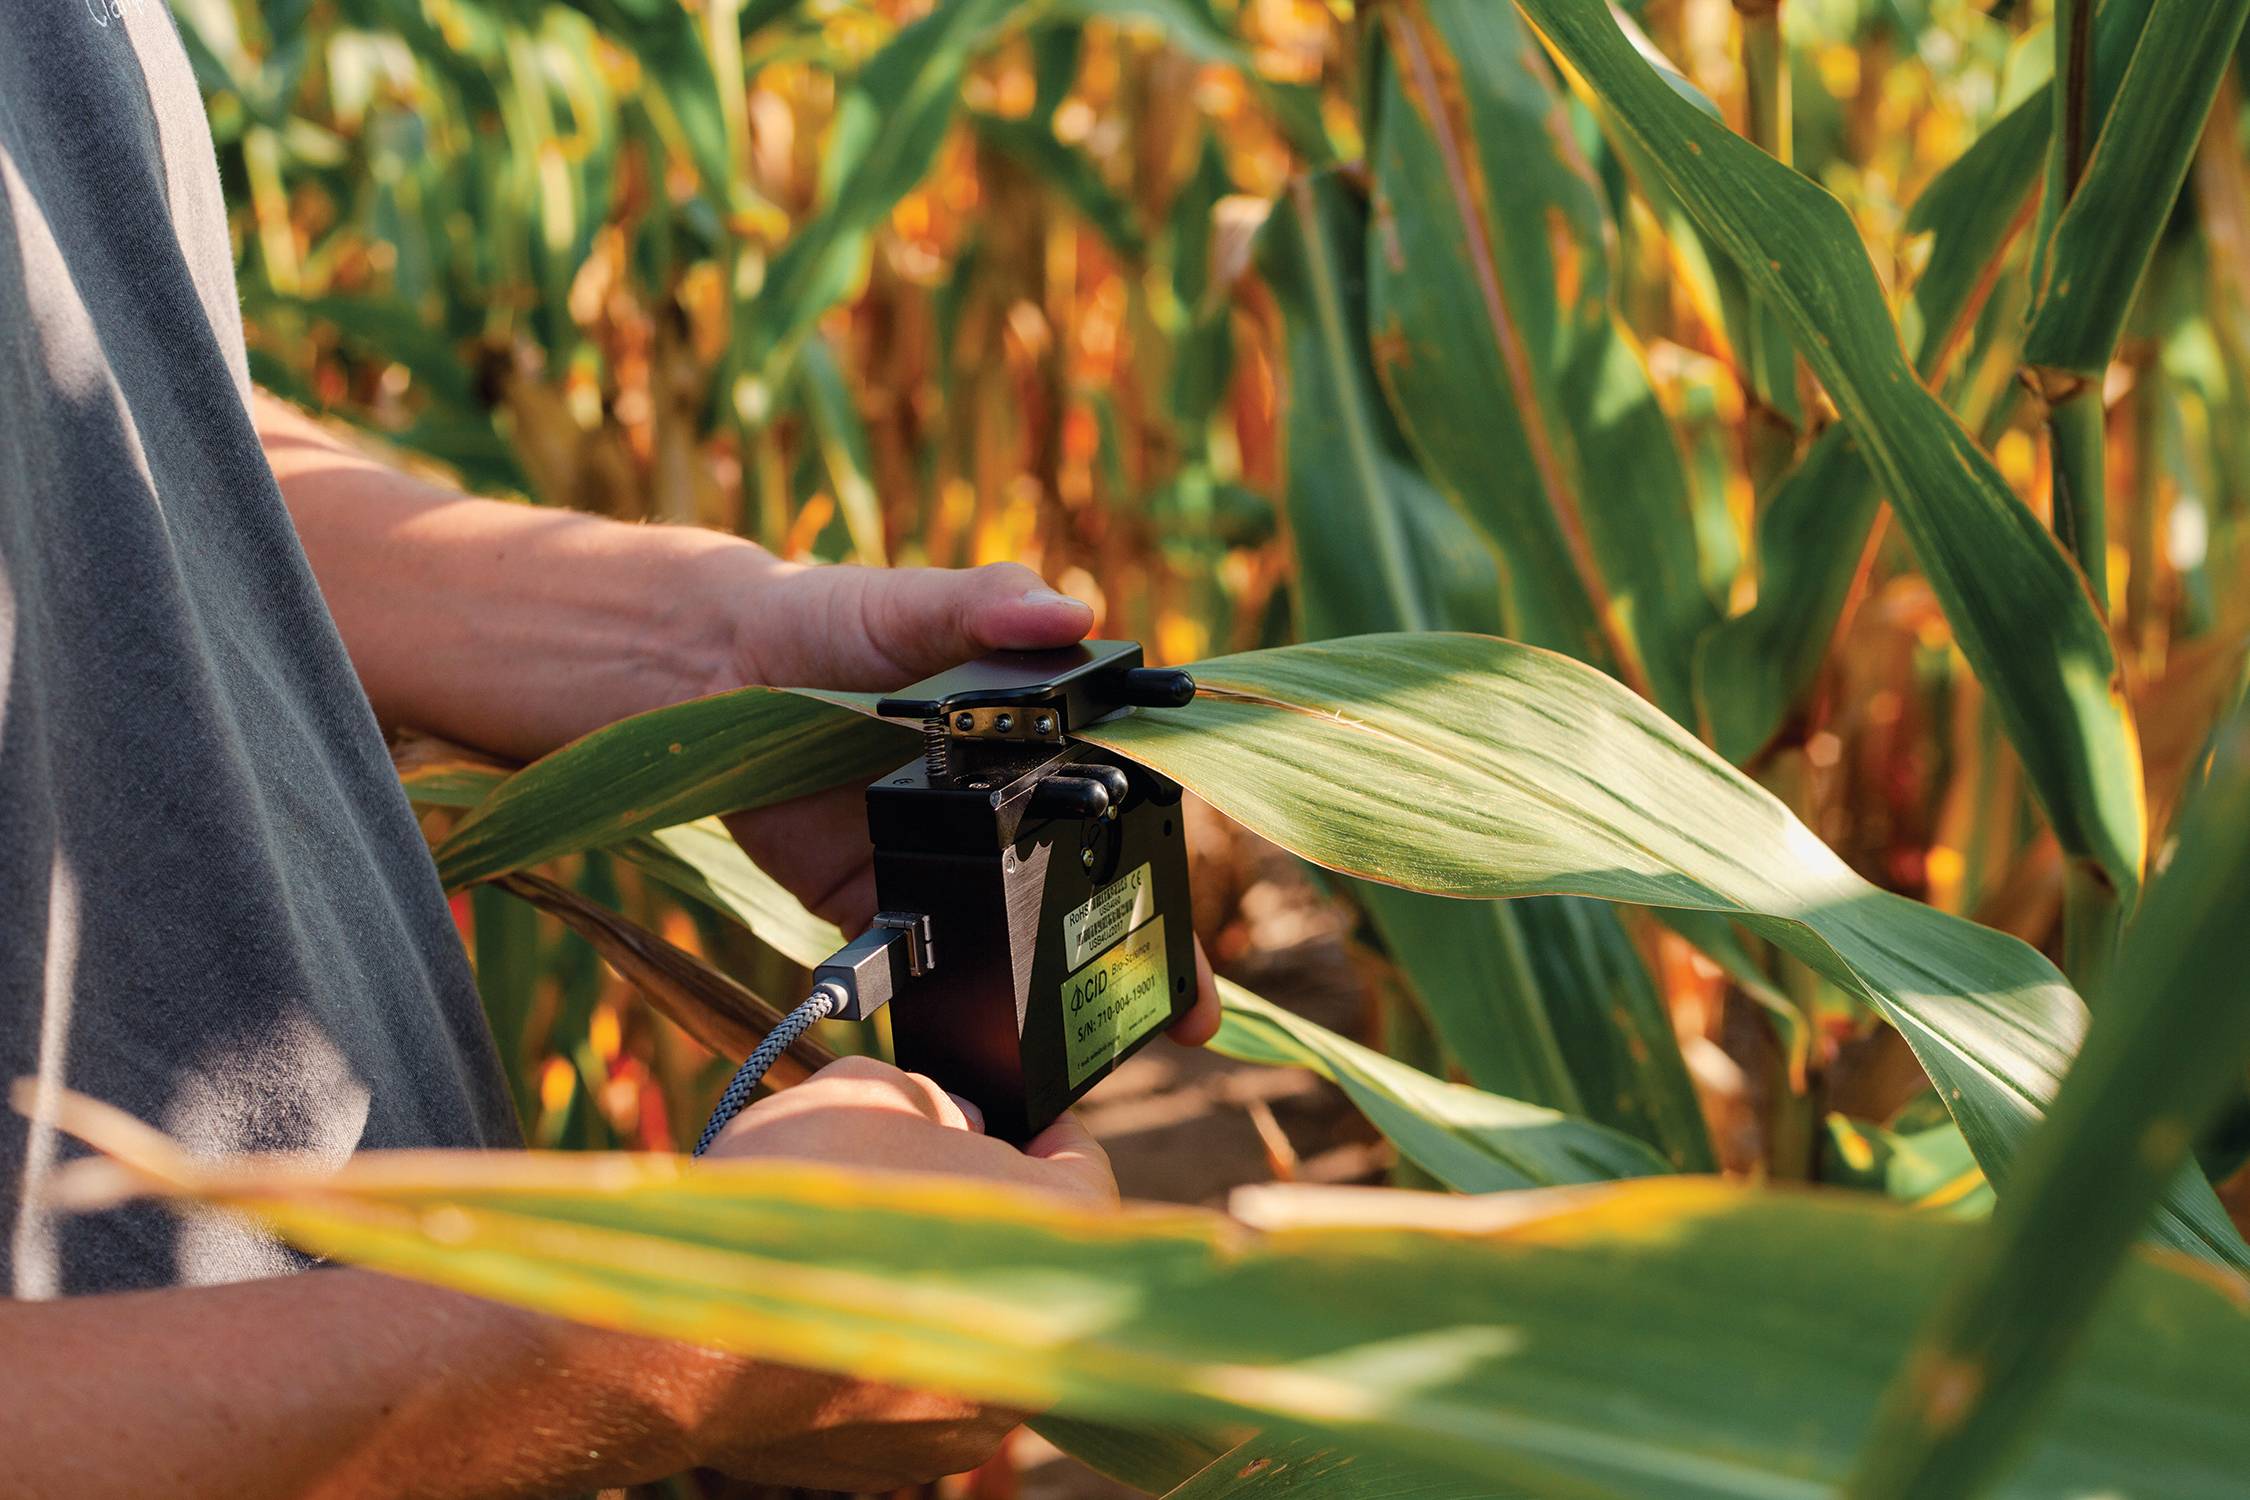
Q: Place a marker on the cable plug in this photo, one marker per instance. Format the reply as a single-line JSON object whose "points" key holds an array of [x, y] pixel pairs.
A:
{"points": [[871, 967]]}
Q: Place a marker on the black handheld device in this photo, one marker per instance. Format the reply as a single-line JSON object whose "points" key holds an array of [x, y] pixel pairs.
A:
{"points": [[1051, 874], [1034, 927]]}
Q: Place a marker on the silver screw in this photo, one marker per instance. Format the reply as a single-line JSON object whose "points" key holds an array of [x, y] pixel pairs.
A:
{"points": [[1086, 858], [1043, 724], [964, 722], [1003, 722]]}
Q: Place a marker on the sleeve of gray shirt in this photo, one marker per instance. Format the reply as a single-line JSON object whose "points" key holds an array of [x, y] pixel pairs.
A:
{"points": [[220, 914]]}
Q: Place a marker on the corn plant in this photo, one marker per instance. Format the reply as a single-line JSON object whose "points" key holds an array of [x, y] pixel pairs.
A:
{"points": [[1517, 401]]}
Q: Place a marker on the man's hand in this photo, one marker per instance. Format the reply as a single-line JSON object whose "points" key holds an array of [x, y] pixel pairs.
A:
{"points": [[866, 630], [844, 1434]]}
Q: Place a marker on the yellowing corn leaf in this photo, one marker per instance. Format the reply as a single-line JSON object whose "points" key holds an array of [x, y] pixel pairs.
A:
{"points": [[1583, 1341]]}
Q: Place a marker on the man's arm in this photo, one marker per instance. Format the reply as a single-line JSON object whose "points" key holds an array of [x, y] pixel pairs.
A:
{"points": [[517, 628], [337, 1382], [508, 627], [348, 1383]]}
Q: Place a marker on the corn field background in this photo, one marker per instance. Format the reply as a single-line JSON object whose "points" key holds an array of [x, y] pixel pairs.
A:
{"points": [[1846, 397]]}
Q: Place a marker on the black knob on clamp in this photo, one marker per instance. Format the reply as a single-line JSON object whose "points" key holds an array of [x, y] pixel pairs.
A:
{"points": [[1155, 687], [1082, 797]]}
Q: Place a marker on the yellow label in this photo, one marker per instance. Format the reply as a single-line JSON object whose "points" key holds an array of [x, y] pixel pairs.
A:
{"points": [[1116, 1000]]}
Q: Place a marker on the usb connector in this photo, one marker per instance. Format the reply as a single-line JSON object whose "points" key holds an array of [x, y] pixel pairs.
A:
{"points": [[871, 968], [858, 980]]}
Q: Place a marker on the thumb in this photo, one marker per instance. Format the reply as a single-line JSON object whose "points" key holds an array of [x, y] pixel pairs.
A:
{"points": [[1071, 1161], [868, 629]]}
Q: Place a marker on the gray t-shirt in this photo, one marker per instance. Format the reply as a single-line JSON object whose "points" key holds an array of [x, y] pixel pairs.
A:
{"points": [[215, 908]]}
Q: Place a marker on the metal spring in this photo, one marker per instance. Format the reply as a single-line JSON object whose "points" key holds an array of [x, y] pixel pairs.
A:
{"points": [[937, 754]]}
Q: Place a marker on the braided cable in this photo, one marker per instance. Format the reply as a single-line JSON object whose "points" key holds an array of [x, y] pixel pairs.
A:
{"points": [[823, 1002]]}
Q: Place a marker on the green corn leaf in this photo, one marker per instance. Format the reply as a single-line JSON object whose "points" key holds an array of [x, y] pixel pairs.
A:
{"points": [[1754, 669], [1203, 350], [1377, 546], [1751, 671], [1547, 1000], [212, 38], [1490, 321], [720, 754], [1275, 1465], [1474, 767], [1929, 1167], [2167, 1051], [2118, 25], [1972, 212], [699, 859], [1527, 997], [1613, 1027], [442, 781], [1585, 1341], [1472, 969], [1150, 1461], [1812, 530], [2103, 240], [842, 439], [2015, 600], [1471, 1141], [1758, 347], [508, 973], [715, 1009]]}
